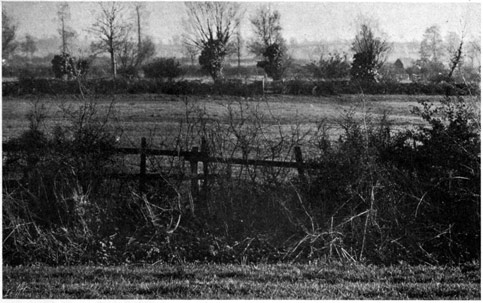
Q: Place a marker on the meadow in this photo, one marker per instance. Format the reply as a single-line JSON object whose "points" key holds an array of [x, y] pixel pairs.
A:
{"points": [[155, 116]]}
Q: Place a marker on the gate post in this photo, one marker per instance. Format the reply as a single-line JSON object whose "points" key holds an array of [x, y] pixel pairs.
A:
{"points": [[204, 155], [194, 157], [142, 168], [300, 164]]}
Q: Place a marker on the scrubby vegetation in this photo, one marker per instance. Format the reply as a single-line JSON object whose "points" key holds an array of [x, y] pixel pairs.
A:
{"points": [[381, 195]]}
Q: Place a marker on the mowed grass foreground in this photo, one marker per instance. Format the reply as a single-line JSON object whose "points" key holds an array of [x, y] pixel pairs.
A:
{"points": [[262, 281]]}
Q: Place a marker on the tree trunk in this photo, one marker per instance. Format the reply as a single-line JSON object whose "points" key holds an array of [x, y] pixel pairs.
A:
{"points": [[113, 64], [456, 60]]}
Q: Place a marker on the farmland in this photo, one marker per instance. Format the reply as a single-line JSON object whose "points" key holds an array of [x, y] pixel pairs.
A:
{"points": [[153, 116], [250, 281]]}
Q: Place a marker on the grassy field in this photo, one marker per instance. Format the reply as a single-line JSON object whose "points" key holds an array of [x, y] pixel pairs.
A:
{"points": [[156, 116], [263, 281]]}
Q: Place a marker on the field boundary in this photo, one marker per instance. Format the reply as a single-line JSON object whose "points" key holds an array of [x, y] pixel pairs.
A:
{"points": [[197, 155]]}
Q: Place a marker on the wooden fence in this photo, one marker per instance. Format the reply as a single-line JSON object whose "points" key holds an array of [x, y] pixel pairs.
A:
{"points": [[201, 155]]}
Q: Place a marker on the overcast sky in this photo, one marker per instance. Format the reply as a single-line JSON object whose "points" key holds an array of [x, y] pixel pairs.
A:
{"points": [[314, 21]]}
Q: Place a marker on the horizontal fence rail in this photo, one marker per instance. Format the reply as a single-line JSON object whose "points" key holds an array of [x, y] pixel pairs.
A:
{"points": [[194, 156]]}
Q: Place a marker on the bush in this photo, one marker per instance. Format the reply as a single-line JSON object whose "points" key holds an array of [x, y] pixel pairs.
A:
{"points": [[334, 67], [65, 66], [410, 196], [163, 68]]}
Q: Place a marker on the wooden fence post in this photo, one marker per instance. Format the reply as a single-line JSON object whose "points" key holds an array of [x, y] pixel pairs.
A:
{"points": [[300, 161], [205, 155], [194, 171], [142, 167]]}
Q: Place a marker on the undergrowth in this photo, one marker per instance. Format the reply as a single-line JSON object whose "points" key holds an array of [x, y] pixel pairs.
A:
{"points": [[377, 195]]}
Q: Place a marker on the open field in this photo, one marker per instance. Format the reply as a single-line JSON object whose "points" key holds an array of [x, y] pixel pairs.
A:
{"points": [[156, 116], [262, 281]]}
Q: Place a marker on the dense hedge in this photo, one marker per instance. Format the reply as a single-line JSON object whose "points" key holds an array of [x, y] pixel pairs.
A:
{"points": [[231, 87]]}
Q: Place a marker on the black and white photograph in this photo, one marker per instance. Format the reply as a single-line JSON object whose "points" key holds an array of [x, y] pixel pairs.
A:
{"points": [[239, 150]]}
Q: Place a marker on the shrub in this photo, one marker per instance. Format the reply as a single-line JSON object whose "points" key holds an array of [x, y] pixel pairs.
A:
{"points": [[163, 68], [69, 67], [334, 67], [445, 162]]}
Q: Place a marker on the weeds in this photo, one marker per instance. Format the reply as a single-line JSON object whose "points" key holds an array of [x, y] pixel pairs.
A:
{"points": [[376, 195]]}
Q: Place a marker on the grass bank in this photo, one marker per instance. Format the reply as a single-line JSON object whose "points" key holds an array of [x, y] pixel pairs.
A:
{"points": [[260, 281]]}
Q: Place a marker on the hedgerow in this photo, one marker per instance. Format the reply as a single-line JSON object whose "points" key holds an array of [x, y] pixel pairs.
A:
{"points": [[29, 85]]}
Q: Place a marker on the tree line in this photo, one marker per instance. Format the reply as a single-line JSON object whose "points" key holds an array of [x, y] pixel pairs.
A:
{"points": [[212, 33]]}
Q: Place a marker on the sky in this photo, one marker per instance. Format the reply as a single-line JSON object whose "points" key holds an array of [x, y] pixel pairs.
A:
{"points": [[312, 21]]}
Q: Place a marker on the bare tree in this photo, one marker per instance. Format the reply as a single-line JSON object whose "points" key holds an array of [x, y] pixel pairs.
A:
{"points": [[9, 30], [63, 15], [239, 47], [145, 46], [210, 28], [455, 49], [139, 8], [111, 30]]}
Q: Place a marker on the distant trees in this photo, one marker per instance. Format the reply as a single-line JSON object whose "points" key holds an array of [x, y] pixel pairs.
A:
{"points": [[210, 28], [432, 44], [9, 30], [111, 30], [433, 54], [370, 54], [29, 46], [269, 43]]}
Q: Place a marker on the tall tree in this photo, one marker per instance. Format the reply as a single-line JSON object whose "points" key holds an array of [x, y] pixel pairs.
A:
{"points": [[9, 30], [112, 31], [145, 46], [432, 44], [66, 33], [370, 54], [210, 28], [268, 42]]}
